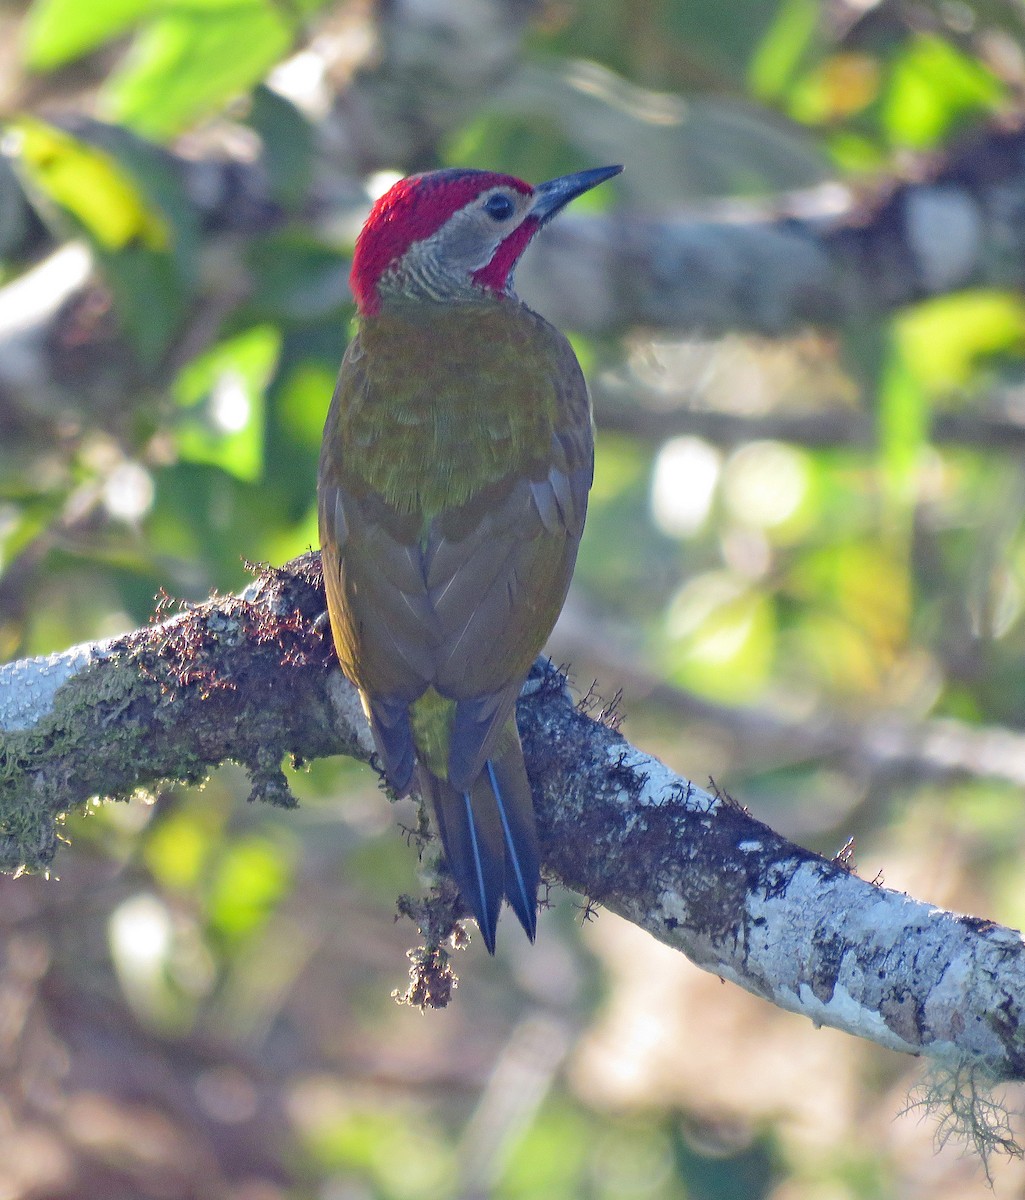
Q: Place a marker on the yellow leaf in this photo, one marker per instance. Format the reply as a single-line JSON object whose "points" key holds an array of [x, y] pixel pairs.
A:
{"points": [[946, 338], [89, 184]]}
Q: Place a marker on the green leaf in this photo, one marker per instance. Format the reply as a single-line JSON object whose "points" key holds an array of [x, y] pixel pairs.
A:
{"points": [[151, 298], [224, 391], [147, 259], [855, 597], [781, 50], [178, 847], [904, 422], [302, 401], [932, 84], [251, 877], [394, 1148], [296, 278], [191, 61], [57, 31], [855, 153], [552, 1158], [835, 89], [943, 340], [288, 145], [722, 637], [160, 181], [89, 184]]}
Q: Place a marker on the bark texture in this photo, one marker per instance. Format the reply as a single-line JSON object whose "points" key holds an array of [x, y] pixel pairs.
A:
{"points": [[252, 678]]}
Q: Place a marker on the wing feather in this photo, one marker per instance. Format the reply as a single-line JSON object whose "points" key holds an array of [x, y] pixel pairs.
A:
{"points": [[461, 601]]}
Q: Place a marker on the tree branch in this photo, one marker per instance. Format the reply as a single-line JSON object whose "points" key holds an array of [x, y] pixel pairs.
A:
{"points": [[820, 258], [250, 678], [625, 405], [882, 743]]}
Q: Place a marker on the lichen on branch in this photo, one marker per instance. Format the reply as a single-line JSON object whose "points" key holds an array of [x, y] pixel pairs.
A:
{"points": [[251, 678]]}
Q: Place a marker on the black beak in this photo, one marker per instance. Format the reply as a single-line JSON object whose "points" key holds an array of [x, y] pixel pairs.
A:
{"points": [[550, 197]]}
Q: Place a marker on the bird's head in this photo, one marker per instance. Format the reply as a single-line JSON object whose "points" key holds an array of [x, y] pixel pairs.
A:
{"points": [[453, 234]]}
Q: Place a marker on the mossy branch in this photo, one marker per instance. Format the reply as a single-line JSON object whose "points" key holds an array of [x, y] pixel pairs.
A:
{"points": [[252, 678]]}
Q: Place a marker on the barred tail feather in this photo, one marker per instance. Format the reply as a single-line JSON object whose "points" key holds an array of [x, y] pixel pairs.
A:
{"points": [[471, 835], [490, 841], [511, 788]]}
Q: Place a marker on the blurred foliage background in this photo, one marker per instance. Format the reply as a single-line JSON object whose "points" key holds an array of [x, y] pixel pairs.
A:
{"points": [[200, 1006]]}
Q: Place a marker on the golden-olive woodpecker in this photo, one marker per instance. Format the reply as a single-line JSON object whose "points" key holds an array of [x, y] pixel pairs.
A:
{"points": [[453, 483]]}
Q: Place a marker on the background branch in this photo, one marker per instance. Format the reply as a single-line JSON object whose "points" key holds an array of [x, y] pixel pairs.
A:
{"points": [[818, 258], [816, 594], [879, 743], [250, 679], [626, 406]]}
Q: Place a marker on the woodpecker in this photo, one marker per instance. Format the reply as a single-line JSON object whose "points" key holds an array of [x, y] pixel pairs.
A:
{"points": [[457, 457]]}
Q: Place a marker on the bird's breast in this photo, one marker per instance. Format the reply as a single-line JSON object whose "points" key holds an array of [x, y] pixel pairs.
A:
{"points": [[438, 405]]}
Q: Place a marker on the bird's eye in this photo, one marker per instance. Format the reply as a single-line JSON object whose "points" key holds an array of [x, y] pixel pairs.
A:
{"points": [[499, 207]]}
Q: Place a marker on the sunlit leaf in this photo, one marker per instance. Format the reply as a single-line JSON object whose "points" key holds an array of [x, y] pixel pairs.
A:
{"points": [[251, 877], [855, 153], [553, 1157], [932, 83], [191, 60], [944, 340], [395, 1147], [57, 31], [141, 937], [147, 259], [723, 636], [178, 848], [837, 88], [624, 465], [837, 653], [160, 180], [620, 546], [784, 45], [684, 483], [767, 485], [302, 401], [286, 542], [224, 391], [89, 184], [288, 145], [855, 612], [23, 518], [905, 415]]}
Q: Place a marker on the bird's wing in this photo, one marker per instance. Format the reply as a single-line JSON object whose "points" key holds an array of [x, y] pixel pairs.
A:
{"points": [[384, 630], [498, 569], [463, 604]]}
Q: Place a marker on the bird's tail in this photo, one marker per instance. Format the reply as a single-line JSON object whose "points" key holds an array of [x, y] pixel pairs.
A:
{"points": [[490, 839]]}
